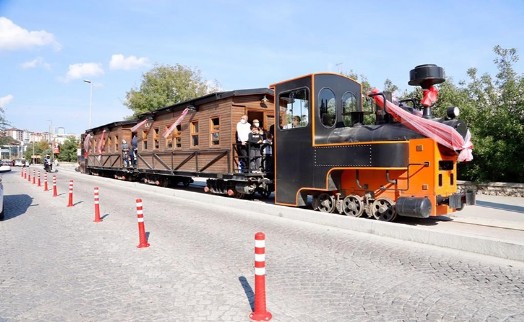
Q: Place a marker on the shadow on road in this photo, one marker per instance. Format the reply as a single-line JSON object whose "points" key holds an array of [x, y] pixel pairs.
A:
{"points": [[501, 206], [16, 205], [249, 292], [432, 221]]}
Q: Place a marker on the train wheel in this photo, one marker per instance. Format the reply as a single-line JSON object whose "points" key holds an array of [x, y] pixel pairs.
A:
{"points": [[186, 182], [384, 210], [240, 195], [163, 182], [264, 193], [325, 203], [353, 205]]}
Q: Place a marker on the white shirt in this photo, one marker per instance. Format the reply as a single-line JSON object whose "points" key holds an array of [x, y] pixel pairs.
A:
{"points": [[243, 130]]}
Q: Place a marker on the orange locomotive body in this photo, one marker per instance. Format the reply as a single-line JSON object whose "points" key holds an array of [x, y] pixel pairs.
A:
{"points": [[328, 151]]}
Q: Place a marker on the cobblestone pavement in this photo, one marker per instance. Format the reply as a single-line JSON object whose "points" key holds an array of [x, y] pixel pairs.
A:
{"points": [[58, 265]]}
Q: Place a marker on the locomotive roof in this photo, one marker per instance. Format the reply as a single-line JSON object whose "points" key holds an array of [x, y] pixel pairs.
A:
{"points": [[210, 98]]}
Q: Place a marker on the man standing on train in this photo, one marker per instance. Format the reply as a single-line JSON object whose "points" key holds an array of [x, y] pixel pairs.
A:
{"points": [[243, 130]]}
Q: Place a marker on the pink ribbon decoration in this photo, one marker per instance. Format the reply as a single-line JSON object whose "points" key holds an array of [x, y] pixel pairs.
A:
{"points": [[174, 125], [101, 143], [139, 125], [87, 142], [441, 133]]}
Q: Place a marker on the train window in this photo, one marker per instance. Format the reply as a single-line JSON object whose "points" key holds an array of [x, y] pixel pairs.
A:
{"points": [[194, 134], [178, 139], [214, 129], [327, 108], [297, 108], [351, 114], [169, 139], [116, 143], [156, 138], [144, 140]]}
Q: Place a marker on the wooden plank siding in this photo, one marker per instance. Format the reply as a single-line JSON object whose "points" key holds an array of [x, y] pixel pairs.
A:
{"points": [[220, 116], [110, 153]]}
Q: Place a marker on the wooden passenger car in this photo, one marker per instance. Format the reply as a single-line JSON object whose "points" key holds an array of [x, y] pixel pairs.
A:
{"points": [[102, 145], [202, 142]]}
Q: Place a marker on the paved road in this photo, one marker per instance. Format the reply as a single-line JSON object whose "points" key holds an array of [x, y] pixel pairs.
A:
{"points": [[58, 265]]}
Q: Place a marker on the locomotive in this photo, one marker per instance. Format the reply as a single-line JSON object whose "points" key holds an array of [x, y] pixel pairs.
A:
{"points": [[381, 162]]}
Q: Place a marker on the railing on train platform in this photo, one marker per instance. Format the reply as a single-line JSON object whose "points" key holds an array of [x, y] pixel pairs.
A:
{"points": [[243, 162]]}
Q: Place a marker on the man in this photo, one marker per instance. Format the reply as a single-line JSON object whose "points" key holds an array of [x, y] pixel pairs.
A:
{"points": [[125, 153], [47, 163], [243, 130], [294, 123], [134, 149]]}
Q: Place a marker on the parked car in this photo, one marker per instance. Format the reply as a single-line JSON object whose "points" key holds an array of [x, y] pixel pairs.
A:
{"points": [[1, 199], [19, 163], [5, 166]]}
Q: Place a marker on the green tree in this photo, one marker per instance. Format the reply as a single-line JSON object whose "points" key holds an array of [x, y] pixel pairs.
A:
{"points": [[3, 122], [39, 148], [166, 85], [7, 140], [68, 150], [494, 110]]}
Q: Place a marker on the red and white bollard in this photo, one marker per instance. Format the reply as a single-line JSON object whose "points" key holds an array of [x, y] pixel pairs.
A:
{"points": [[39, 184], [70, 203], [29, 176], [25, 173], [54, 187], [260, 313], [97, 206], [34, 175], [141, 227], [46, 188]]}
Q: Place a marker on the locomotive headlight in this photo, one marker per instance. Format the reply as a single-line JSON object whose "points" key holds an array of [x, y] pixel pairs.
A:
{"points": [[453, 112]]}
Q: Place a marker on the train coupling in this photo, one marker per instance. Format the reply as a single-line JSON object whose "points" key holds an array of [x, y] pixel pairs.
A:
{"points": [[458, 200]]}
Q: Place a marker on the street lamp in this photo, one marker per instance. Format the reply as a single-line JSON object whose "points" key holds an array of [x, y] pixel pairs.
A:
{"points": [[90, 98]]}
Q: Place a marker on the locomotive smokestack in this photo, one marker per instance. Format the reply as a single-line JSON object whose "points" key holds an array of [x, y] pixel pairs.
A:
{"points": [[426, 76]]}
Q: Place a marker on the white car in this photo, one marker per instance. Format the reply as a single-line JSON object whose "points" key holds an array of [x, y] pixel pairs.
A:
{"points": [[1, 200], [5, 166]]}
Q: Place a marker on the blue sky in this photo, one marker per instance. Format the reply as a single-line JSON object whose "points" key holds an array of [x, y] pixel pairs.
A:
{"points": [[47, 48]]}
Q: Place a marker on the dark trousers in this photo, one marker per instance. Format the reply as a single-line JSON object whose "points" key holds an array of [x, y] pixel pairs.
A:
{"points": [[255, 158], [242, 156]]}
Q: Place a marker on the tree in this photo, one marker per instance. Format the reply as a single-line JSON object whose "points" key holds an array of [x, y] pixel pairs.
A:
{"points": [[493, 108], [7, 140], [3, 122], [166, 85], [39, 148], [68, 150]]}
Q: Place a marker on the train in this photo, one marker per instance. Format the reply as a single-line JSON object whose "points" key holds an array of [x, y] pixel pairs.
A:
{"points": [[334, 148]]}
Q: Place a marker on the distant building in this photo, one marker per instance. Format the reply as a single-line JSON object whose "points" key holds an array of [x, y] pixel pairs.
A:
{"points": [[26, 137]]}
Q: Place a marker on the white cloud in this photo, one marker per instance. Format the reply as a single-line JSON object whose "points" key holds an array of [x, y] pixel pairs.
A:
{"points": [[118, 61], [37, 62], [13, 37], [6, 100], [79, 71]]}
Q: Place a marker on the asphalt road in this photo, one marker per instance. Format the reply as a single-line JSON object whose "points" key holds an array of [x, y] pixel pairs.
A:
{"points": [[58, 265]]}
